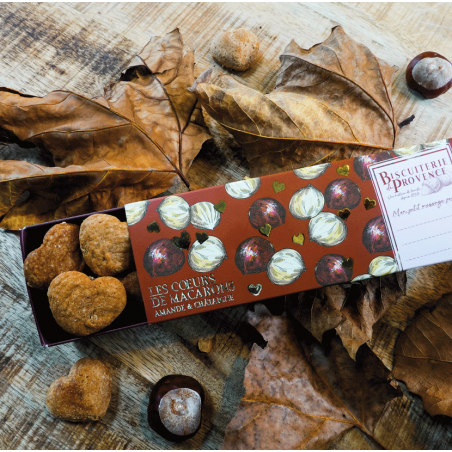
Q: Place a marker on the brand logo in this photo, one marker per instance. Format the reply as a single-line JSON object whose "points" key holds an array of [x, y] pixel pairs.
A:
{"points": [[423, 174]]}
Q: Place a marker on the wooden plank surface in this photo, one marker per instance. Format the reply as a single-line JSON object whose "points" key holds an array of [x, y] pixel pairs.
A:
{"points": [[81, 47]]}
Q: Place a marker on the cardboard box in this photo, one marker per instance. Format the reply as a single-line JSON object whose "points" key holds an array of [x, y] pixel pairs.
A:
{"points": [[50, 333], [267, 237]]}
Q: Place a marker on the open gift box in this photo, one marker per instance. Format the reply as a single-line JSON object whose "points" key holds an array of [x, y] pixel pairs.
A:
{"points": [[50, 333], [279, 234]]}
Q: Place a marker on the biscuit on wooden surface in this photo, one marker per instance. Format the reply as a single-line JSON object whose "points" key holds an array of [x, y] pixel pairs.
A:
{"points": [[82, 396]]}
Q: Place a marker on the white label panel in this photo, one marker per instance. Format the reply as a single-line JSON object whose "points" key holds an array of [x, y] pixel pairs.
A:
{"points": [[415, 196]]}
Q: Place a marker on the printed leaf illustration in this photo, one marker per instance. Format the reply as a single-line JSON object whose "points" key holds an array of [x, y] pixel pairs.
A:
{"points": [[132, 144], [352, 311], [302, 395], [423, 357], [330, 102]]}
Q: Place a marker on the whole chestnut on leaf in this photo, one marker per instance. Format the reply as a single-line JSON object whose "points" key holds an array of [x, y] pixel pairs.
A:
{"points": [[175, 407], [430, 74]]}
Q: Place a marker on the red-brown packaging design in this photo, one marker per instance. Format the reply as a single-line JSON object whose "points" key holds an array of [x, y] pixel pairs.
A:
{"points": [[259, 238], [267, 237]]}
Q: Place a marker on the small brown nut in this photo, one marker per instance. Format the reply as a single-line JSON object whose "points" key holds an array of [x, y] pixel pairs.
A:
{"points": [[105, 244], [83, 306], [235, 49], [82, 396], [59, 252], [132, 286]]}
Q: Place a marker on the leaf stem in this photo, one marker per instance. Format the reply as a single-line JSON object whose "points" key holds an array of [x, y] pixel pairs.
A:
{"points": [[407, 121]]}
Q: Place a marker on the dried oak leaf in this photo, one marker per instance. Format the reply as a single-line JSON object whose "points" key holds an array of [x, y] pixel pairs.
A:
{"points": [[352, 309], [303, 395], [423, 357], [330, 102], [132, 144]]}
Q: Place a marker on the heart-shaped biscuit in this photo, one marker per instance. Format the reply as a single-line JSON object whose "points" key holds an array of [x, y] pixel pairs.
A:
{"points": [[59, 252], [343, 170], [82, 396], [83, 306], [105, 244]]}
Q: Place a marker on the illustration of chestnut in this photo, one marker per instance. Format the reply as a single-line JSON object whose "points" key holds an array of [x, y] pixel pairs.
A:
{"points": [[430, 74], [333, 269], [267, 211], [253, 255], [342, 193], [361, 164], [163, 258], [175, 407], [375, 237]]}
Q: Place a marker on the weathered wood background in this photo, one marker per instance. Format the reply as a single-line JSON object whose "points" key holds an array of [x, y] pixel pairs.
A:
{"points": [[83, 46]]}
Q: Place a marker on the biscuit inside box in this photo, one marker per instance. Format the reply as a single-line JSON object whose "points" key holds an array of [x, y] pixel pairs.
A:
{"points": [[50, 332]]}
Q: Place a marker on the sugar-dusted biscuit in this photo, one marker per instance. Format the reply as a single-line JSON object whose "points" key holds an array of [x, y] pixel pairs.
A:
{"points": [[59, 252]]}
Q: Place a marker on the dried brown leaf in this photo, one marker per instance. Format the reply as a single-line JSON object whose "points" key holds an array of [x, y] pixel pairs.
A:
{"points": [[330, 102], [425, 285], [352, 310], [423, 357], [224, 141], [319, 310], [132, 144], [300, 395]]}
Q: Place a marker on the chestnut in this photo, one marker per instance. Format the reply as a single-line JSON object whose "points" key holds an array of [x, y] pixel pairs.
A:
{"points": [[430, 74], [163, 258], [266, 211], [253, 255], [333, 269], [342, 193], [175, 407]]}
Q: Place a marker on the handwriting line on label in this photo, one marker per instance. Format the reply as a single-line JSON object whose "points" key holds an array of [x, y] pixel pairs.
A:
{"points": [[429, 254], [426, 238], [420, 224]]}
